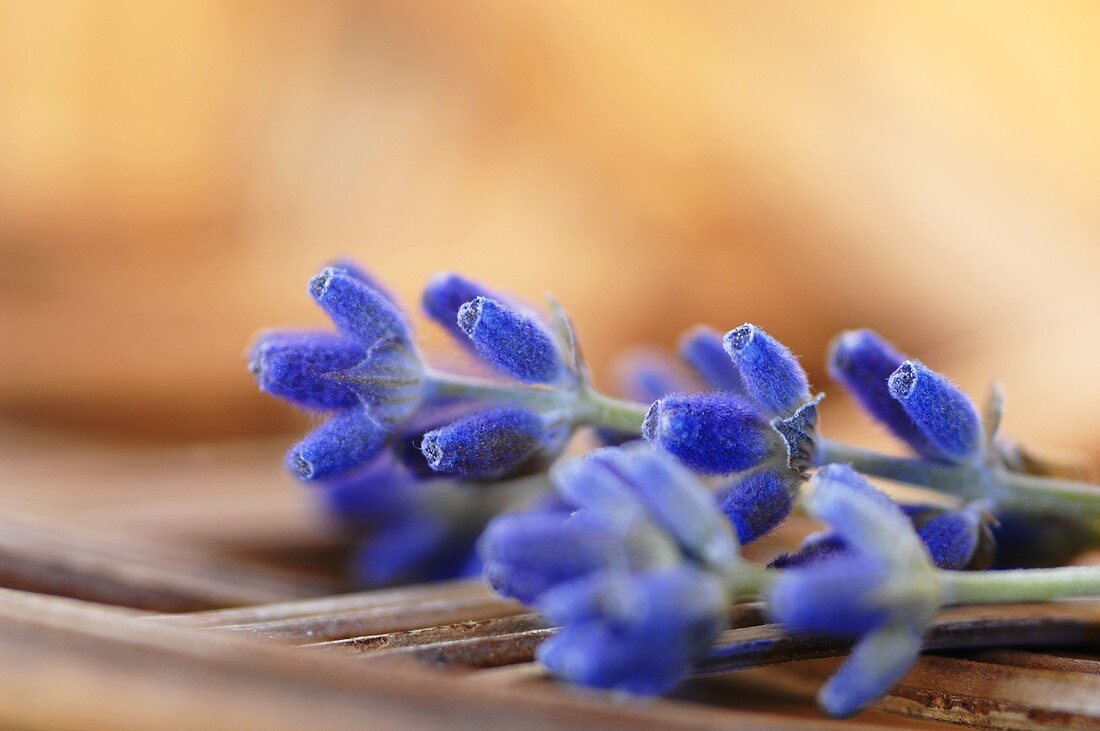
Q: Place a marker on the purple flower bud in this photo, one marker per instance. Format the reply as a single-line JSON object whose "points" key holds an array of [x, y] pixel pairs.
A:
{"points": [[863, 363], [349, 439], [490, 443], [711, 433], [808, 600], [637, 633], [296, 366], [526, 555], [512, 342], [702, 349], [944, 414], [444, 295], [771, 374], [958, 539], [758, 503], [356, 308]]}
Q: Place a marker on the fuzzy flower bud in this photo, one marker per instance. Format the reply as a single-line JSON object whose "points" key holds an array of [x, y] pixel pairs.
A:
{"points": [[944, 414], [711, 433], [525, 555], [512, 342], [297, 366], [758, 503], [356, 308], [347, 440], [490, 443], [863, 362], [771, 374]]}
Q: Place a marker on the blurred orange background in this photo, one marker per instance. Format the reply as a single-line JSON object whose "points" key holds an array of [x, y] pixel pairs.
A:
{"points": [[172, 173]]}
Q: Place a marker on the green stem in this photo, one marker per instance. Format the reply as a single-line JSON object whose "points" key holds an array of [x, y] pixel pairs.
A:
{"points": [[1023, 585], [585, 404], [1026, 493]]}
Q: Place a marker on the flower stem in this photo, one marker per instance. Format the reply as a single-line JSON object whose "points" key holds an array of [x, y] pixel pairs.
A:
{"points": [[1022, 585], [1010, 490], [585, 404]]}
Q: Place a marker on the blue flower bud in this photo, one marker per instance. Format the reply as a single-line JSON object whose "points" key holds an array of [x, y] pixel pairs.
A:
{"points": [[490, 443], [711, 433], [957, 539], [526, 555], [389, 380], [444, 295], [863, 363], [943, 413], [349, 439], [296, 366], [702, 349], [356, 308], [512, 342], [635, 633], [758, 503], [405, 444], [808, 599], [771, 374]]}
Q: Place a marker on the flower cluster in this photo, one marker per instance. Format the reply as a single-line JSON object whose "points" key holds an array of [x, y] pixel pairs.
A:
{"points": [[638, 568], [401, 444], [637, 558], [756, 427]]}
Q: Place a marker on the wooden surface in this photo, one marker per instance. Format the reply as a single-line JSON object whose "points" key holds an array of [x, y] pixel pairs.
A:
{"points": [[163, 591]]}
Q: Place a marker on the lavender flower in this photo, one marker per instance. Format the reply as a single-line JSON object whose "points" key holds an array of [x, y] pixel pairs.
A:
{"points": [[712, 433], [298, 367], [644, 588], [356, 308], [349, 439], [491, 443], [891, 590], [863, 362], [512, 342], [770, 373], [758, 502], [634, 633], [943, 413]]}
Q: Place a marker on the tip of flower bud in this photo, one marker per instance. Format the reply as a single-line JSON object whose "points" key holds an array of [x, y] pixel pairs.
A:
{"points": [[903, 380], [319, 283], [469, 314], [432, 450], [299, 465], [740, 337]]}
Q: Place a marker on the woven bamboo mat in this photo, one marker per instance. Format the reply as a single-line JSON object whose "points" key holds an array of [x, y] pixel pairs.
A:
{"points": [[188, 590]]}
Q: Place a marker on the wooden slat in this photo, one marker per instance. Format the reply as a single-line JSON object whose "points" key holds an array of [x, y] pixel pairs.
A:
{"points": [[54, 558], [84, 667]]}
